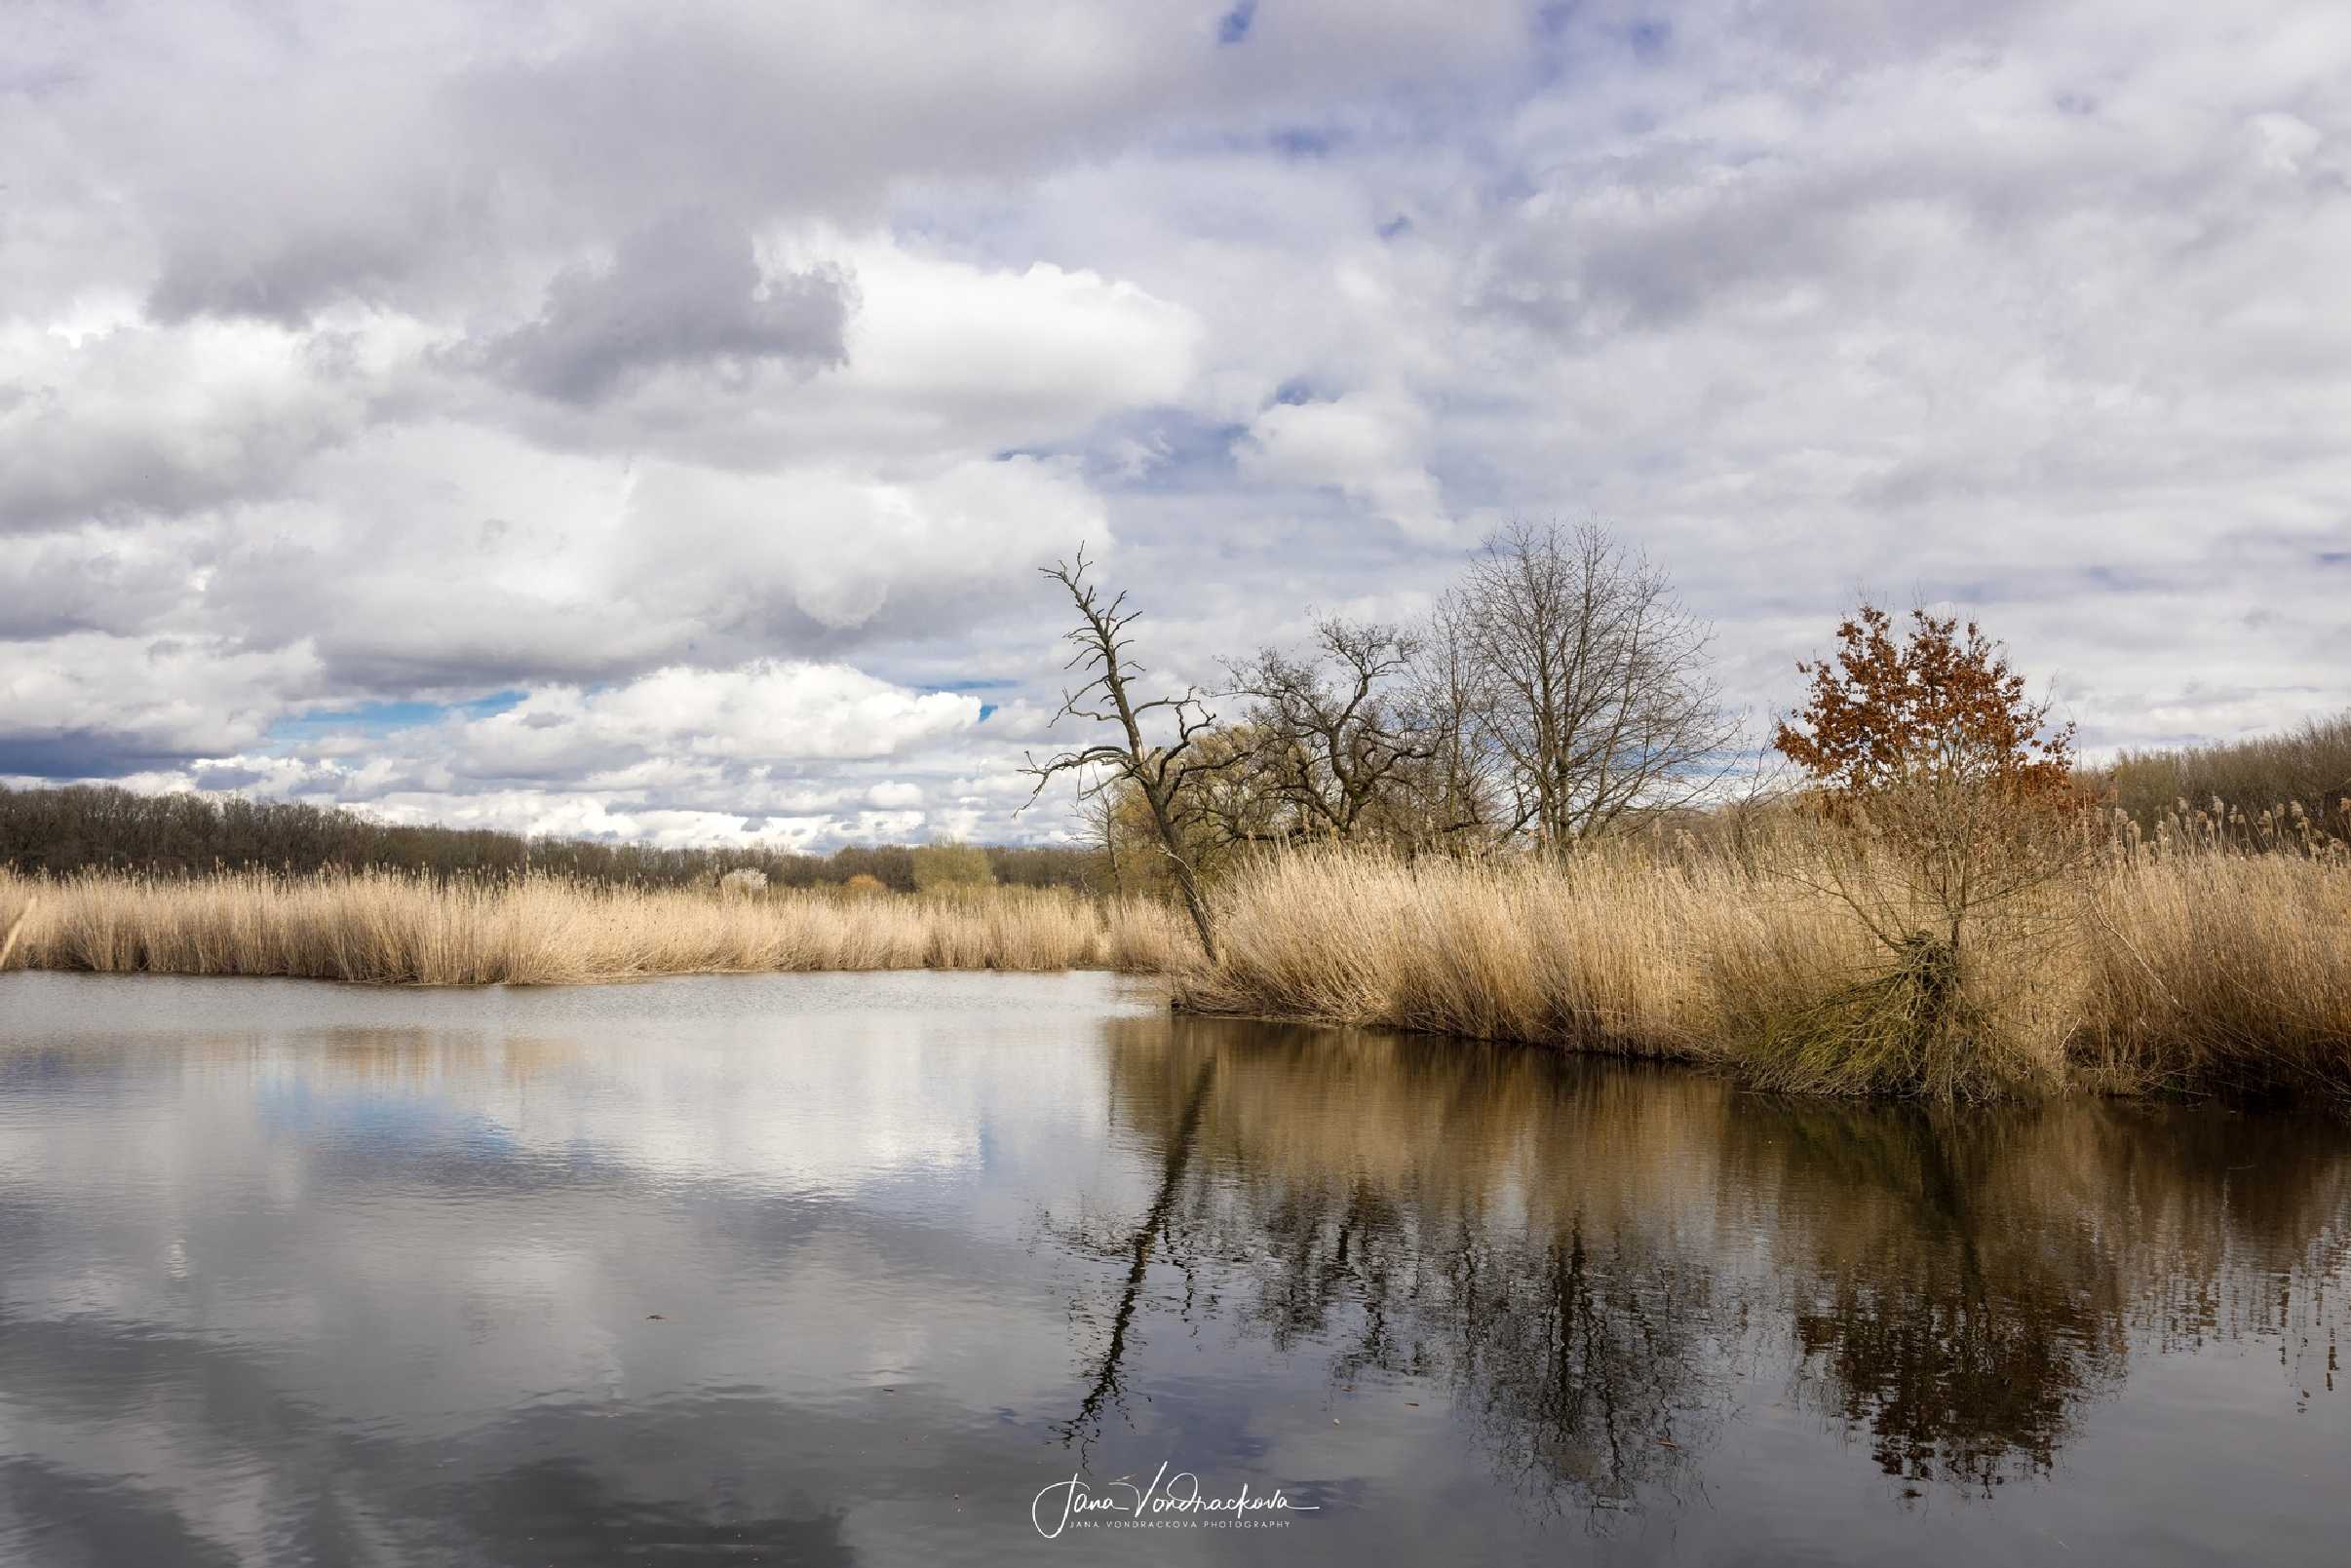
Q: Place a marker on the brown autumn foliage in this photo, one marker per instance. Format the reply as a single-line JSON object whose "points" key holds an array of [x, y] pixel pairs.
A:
{"points": [[1935, 707], [1928, 755]]}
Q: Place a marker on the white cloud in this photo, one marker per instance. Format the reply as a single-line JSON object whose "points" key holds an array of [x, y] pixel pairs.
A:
{"points": [[760, 714], [944, 348], [1371, 446], [86, 696], [835, 547]]}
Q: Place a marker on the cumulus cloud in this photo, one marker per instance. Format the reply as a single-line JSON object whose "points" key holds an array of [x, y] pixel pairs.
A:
{"points": [[813, 554], [785, 752], [1027, 355], [90, 704], [760, 714], [96, 579]]}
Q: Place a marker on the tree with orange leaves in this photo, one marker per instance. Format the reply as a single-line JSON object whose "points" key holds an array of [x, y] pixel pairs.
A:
{"points": [[1936, 709], [1927, 746], [1946, 793]]}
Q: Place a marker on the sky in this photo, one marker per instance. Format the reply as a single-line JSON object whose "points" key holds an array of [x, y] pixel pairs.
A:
{"points": [[647, 422]]}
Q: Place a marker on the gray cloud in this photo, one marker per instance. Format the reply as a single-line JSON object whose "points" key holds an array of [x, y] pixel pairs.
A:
{"points": [[286, 283], [97, 580], [686, 290], [70, 754], [133, 422]]}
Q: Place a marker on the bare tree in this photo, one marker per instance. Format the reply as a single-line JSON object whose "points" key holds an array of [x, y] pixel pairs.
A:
{"points": [[1588, 679], [1100, 816], [1167, 775], [1456, 788], [1330, 742]]}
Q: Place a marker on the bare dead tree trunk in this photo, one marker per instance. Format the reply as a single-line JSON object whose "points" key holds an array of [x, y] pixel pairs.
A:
{"points": [[1167, 775], [1105, 1383]]}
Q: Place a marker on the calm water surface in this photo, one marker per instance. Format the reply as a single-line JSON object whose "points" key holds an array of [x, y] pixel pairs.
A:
{"points": [[844, 1268]]}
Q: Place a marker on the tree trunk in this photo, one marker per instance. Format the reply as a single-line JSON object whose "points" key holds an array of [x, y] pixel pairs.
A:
{"points": [[1193, 905], [1197, 909]]}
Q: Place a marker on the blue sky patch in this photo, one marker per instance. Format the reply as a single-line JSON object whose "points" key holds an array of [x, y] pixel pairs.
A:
{"points": [[383, 719]]}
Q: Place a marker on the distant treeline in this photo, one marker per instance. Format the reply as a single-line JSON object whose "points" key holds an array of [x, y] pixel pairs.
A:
{"points": [[100, 826], [84, 827]]}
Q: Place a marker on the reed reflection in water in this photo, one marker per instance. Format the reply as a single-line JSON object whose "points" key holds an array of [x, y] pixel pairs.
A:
{"points": [[1612, 1266]]}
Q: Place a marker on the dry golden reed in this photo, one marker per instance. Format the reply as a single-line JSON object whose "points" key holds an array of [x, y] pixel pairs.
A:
{"points": [[390, 927], [2185, 972]]}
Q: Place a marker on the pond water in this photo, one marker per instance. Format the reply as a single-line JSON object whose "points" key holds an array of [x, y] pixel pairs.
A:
{"points": [[835, 1268]]}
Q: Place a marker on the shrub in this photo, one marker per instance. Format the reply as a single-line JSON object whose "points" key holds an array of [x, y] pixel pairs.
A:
{"points": [[1945, 807], [951, 864]]}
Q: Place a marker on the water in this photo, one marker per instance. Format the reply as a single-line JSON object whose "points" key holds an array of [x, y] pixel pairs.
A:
{"points": [[850, 1267]]}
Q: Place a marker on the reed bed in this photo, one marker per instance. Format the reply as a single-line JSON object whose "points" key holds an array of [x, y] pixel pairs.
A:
{"points": [[2190, 971], [391, 928], [2171, 967]]}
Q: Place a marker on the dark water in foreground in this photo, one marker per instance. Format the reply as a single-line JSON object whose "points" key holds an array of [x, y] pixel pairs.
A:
{"points": [[849, 1268]]}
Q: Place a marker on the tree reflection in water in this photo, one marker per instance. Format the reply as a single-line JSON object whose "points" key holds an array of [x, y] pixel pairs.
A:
{"points": [[1604, 1261], [1134, 1246]]}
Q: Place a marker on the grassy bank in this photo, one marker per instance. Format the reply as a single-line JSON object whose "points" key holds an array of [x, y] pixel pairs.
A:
{"points": [[393, 928], [2191, 972]]}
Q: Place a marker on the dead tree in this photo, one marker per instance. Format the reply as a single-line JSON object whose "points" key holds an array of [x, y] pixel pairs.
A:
{"points": [[1166, 775]]}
